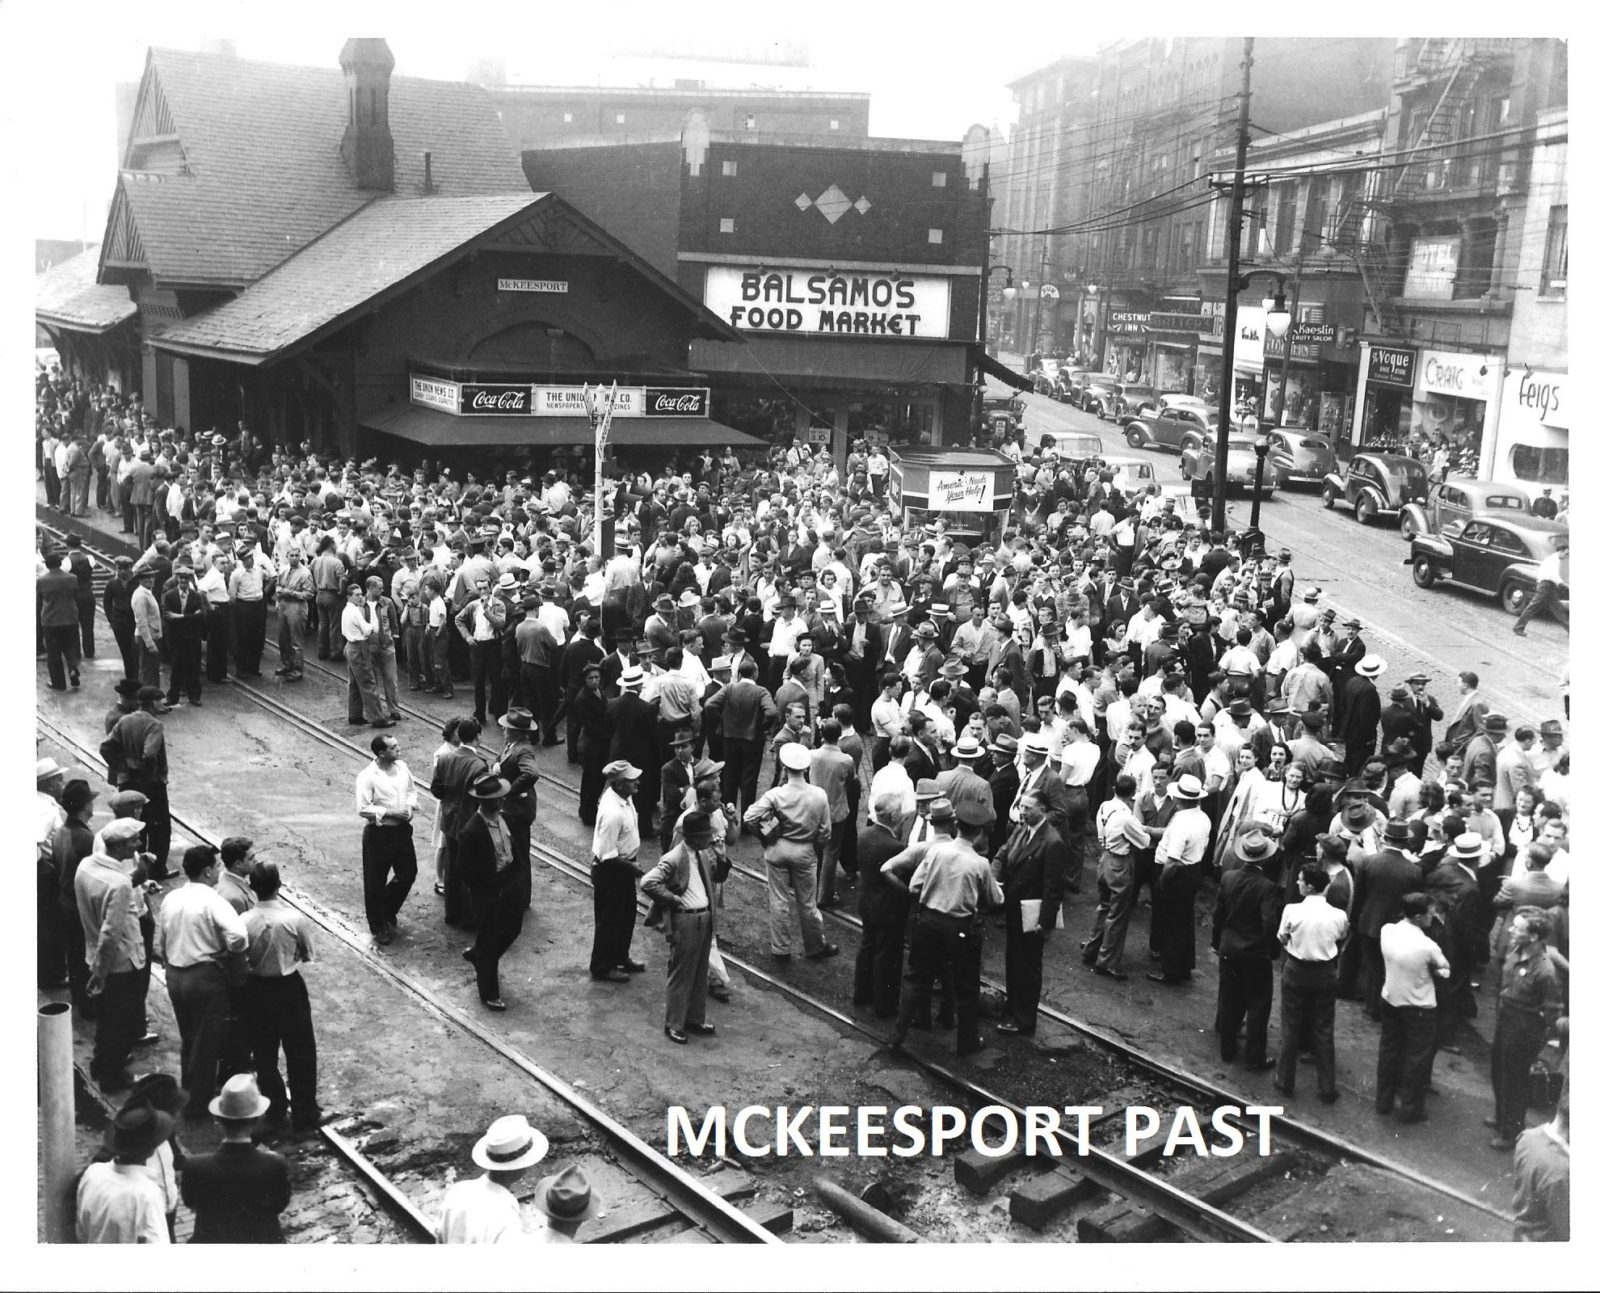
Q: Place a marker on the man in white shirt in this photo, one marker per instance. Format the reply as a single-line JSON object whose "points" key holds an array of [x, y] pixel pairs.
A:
{"points": [[482, 1209], [1409, 1008], [119, 1202], [1311, 931], [1183, 847], [614, 875], [196, 931], [386, 799], [359, 627]]}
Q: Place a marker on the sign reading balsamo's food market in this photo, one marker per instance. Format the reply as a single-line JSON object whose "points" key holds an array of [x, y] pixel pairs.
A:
{"points": [[863, 303]]}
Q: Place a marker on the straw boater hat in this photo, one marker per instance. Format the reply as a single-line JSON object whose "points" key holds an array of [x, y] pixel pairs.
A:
{"points": [[968, 748], [1371, 666], [632, 678], [1187, 787], [510, 1144]]}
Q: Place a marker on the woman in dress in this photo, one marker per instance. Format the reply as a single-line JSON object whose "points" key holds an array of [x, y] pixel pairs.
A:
{"points": [[1249, 791]]}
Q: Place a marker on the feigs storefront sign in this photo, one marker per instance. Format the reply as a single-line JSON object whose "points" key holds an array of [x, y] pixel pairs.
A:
{"points": [[864, 303], [527, 399]]}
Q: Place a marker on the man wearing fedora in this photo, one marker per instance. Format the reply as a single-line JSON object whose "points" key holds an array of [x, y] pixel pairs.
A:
{"points": [[518, 764], [238, 1193], [482, 1209], [1244, 925], [495, 881], [567, 1202], [1452, 884], [683, 884], [1361, 713], [1382, 880], [1030, 869], [119, 1201], [633, 740], [1180, 855]]}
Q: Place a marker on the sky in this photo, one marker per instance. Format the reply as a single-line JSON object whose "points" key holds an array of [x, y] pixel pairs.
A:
{"points": [[923, 84]]}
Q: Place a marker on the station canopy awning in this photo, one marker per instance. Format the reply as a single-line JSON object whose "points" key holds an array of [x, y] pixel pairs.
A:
{"points": [[437, 429], [1010, 376]]}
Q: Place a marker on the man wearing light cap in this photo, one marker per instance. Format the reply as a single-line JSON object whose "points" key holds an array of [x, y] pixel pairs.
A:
{"points": [[114, 948], [794, 822], [614, 874]]}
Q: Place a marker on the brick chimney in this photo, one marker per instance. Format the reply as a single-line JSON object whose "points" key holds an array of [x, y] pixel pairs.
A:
{"points": [[368, 147]]}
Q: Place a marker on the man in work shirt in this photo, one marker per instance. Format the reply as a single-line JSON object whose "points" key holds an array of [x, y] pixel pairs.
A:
{"points": [[1180, 854], [1311, 932], [1405, 1048]]}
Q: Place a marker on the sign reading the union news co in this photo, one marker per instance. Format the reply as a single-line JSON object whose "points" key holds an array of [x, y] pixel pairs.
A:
{"points": [[864, 303], [523, 399]]}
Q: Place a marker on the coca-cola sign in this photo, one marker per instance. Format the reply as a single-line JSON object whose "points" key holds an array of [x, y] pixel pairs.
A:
{"points": [[497, 398], [676, 401]]}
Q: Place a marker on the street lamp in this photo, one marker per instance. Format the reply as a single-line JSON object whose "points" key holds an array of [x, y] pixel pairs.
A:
{"points": [[1278, 322], [1251, 426]]}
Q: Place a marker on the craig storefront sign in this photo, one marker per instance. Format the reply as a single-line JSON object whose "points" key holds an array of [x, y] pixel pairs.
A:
{"points": [[1464, 376], [527, 399], [875, 304]]}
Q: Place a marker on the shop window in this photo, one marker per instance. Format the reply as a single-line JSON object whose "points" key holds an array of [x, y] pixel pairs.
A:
{"points": [[936, 235], [1539, 464], [725, 225], [1553, 280], [938, 179], [730, 169]]}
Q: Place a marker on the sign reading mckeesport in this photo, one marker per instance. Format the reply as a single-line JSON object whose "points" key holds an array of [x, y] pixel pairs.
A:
{"points": [[866, 303]]}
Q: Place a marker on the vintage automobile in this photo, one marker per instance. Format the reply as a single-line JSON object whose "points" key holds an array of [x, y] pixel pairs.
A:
{"points": [[1171, 426], [1082, 381], [1299, 455], [1495, 554], [1127, 401], [1097, 394], [1072, 444], [1133, 475], [1196, 463], [1376, 483], [1461, 500]]}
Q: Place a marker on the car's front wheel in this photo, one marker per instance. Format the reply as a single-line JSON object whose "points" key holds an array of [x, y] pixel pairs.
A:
{"points": [[1330, 495], [1135, 438], [1514, 596], [1366, 509], [1422, 572], [1408, 527]]}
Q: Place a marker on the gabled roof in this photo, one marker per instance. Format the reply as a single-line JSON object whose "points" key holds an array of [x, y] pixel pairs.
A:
{"points": [[261, 175], [379, 252], [67, 295]]}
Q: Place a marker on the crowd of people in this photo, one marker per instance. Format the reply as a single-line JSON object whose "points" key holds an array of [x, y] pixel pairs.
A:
{"points": [[1094, 701]]}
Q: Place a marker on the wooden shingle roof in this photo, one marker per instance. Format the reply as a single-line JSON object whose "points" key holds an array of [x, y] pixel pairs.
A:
{"points": [[68, 295], [261, 175]]}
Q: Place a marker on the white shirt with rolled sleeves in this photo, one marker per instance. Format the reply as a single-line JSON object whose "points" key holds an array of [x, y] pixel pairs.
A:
{"points": [[1184, 841], [1312, 929], [616, 828], [385, 796], [194, 925]]}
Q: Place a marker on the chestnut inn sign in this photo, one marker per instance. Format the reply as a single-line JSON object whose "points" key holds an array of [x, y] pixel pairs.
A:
{"points": [[858, 303], [526, 399]]}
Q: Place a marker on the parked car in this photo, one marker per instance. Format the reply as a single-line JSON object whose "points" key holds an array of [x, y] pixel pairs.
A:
{"points": [[1498, 555], [1064, 380], [1299, 455], [1081, 383], [1097, 394], [1128, 400], [1072, 444], [1376, 483], [1197, 459], [1463, 500], [1132, 475], [1172, 426]]}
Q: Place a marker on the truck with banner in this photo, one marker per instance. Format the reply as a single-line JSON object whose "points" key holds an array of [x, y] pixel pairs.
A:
{"points": [[970, 490]]}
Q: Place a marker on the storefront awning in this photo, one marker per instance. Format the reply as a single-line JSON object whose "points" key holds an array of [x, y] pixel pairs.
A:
{"points": [[1010, 376], [439, 430], [834, 363]]}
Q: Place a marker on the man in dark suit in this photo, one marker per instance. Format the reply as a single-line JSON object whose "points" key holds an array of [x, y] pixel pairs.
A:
{"points": [[237, 1193], [860, 648], [1382, 880], [1453, 886], [1348, 651], [746, 714], [592, 720], [1244, 935], [496, 884], [883, 909], [1037, 775], [614, 664], [581, 652], [634, 740], [1029, 869], [1003, 785], [896, 640], [1399, 720], [1425, 712], [183, 620], [58, 615], [1471, 710], [452, 775], [1360, 714], [1008, 655]]}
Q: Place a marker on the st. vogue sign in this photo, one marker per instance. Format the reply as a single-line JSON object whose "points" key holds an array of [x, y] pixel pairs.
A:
{"points": [[526, 399], [863, 303]]}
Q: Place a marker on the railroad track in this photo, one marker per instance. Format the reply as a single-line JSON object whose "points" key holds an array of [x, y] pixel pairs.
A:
{"points": [[702, 1206], [1129, 1177]]}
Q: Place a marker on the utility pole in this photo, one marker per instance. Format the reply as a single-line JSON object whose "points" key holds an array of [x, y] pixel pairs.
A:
{"points": [[1288, 341], [1038, 304], [1230, 318]]}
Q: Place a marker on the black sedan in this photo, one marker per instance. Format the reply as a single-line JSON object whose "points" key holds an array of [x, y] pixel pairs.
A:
{"points": [[1498, 556]]}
